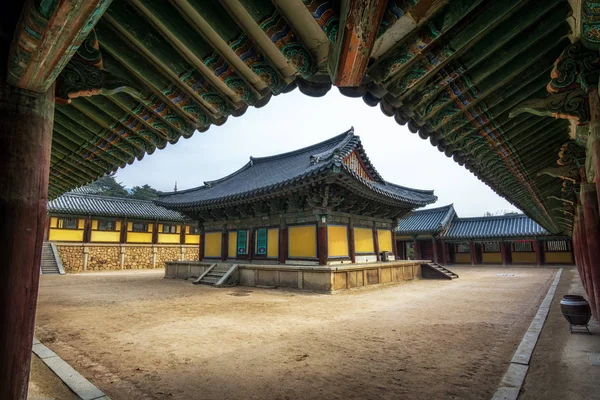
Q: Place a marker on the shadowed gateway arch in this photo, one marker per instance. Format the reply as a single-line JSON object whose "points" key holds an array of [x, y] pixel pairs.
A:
{"points": [[114, 80]]}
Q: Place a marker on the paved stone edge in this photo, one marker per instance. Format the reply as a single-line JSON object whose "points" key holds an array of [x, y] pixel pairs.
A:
{"points": [[83, 388], [513, 379]]}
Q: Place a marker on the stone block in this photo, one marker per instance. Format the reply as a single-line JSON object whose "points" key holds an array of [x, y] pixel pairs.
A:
{"points": [[267, 278], [340, 281], [317, 281], [372, 277], [247, 277], [288, 279], [385, 275]]}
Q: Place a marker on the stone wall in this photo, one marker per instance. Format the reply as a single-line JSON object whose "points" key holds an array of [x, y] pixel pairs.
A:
{"points": [[72, 257], [102, 257], [190, 253]]}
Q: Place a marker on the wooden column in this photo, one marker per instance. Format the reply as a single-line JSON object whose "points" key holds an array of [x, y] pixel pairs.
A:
{"points": [[594, 137], [182, 235], [539, 253], [576, 245], [592, 232], [394, 243], [585, 259], [201, 245], [26, 121], [87, 230], [251, 245], [434, 246], [283, 244], [376, 243], [351, 241], [155, 232], [473, 251], [444, 253], [322, 251], [503, 253], [416, 250], [123, 235], [224, 244]]}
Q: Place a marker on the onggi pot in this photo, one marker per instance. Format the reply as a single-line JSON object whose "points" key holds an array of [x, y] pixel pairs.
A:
{"points": [[575, 309]]}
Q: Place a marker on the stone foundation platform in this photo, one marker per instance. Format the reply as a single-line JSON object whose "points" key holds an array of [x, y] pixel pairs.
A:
{"points": [[322, 279]]}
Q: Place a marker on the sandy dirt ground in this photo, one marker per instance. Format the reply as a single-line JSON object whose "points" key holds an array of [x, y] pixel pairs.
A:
{"points": [[45, 385], [139, 336], [560, 366]]}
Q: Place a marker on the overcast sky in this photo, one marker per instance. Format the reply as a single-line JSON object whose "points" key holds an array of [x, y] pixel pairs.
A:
{"points": [[291, 121]]}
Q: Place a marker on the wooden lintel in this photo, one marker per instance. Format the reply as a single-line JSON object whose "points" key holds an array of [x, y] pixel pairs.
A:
{"points": [[47, 36], [359, 24]]}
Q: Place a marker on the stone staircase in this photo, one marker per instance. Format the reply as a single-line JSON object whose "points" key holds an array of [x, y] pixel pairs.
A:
{"points": [[436, 271], [49, 264], [218, 274]]}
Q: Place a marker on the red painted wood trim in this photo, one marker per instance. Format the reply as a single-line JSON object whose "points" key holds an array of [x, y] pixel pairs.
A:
{"points": [[201, 246], [182, 235], [87, 230], [224, 245], [592, 233], [26, 121], [376, 244], [322, 251], [283, 245], [394, 244], [539, 253], [251, 244], [434, 247], [123, 235], [473, 251], [358, 36], [351, 247], [444, 253]]}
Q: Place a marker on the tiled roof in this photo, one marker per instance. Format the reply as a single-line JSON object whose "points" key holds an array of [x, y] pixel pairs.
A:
{"points": [[267, 174], [426, 221], [79, 204], [506, 226]]}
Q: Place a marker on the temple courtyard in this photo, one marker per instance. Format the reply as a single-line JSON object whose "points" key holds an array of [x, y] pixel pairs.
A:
{"points": [[136, 335]]}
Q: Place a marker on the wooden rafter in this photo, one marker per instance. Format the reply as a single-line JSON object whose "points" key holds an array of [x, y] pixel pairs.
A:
{"points": [[359, 24]]}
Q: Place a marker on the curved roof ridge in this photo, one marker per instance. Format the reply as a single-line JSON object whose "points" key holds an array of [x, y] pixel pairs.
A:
{"points": [[99, 196], [433, 209], [492, 217], [348, 134], [425, 191]]}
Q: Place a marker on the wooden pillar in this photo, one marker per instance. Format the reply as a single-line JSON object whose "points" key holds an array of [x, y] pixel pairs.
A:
{"points": [[351, 241], [182, 235], [394, 243], [155, 232], [376, 243], [416, 250], [444, 253], [473, 251], [283, 243], [322, 251], [26, 121], [434, 246], [123, 235], [594, 137], [592, 231], [224, 243], [576, 245], [539, 252], [201, 245], [87, 230], [251, 245], [585, 259]]}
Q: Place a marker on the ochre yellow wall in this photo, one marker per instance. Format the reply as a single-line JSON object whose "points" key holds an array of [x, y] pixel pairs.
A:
{"points": [[192, 239], [523, 257], [118, 226], [302, 241], [53, 222], [139, 237], [337, 241], [492, 258], [105, 236], [212, 244], [169, 238], [232, 245], [558, 257], [273, 243], [94, 224], [384, 238], [363, 240], [463, 258], [80, 223], [66, 235]]}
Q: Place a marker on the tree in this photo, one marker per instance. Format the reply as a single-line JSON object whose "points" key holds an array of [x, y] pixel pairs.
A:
{"points": [[108, 186], [144, 192]]}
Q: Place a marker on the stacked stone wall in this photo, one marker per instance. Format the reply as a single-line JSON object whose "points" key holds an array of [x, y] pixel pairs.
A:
{"points": [[164, 254], [103, 258], [71, 257], [138, 257], [190, 253]]}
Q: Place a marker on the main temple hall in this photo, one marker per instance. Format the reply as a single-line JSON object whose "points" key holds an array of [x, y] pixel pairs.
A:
{"points": [[323, 204]]}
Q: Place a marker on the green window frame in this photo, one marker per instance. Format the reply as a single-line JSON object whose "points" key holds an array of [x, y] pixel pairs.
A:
{"points": [[261, 242], [242, 242]]}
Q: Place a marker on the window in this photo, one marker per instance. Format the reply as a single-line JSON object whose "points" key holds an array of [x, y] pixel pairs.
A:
{"points": [[242, 242], [261, 242], [491, 247], [67, 223], [194, 230], [139, 227], [106, 225], [168, 228], [557, 245], [463, 248], [522, 246]]}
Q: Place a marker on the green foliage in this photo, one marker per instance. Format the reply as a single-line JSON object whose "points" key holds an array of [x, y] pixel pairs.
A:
{"points": [[144, 192], [108, 186]]}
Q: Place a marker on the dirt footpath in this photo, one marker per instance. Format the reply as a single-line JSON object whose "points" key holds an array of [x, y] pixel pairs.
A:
{"points": [[136, 335]]}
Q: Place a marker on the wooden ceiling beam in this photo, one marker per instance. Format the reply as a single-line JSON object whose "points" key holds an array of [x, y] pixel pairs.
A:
{"points": [[47, 36], [359, 23]]}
